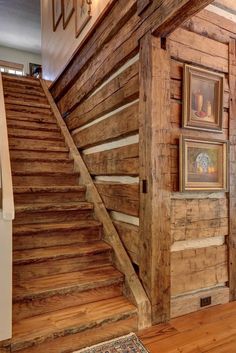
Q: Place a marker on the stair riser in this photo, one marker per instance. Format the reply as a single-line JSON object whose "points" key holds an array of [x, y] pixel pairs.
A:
{"points": [[52, 216], [52, 267], [42, 167], [18, 89], [24, 199], [28, 308], [42, 180], [37, 156], [23, 242], [34, 134], [88, 337], [24, 97], [37, 111], [24, 103], [30, 125], [23, 81], [31, 117], [27, 144]]}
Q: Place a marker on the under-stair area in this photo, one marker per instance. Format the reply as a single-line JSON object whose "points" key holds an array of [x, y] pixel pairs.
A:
{"points": [[66, 292]]}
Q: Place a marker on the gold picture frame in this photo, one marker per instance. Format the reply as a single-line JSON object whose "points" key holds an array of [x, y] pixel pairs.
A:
{"points": [[203, 164], [68, 7], [56, 13], [83, 14], [203, 95]]}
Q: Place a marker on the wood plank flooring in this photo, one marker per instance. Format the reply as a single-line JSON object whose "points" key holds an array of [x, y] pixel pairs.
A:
{"points": [[211, 330]]}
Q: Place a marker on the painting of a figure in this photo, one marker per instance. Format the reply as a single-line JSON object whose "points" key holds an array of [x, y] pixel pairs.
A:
{"points": [[203, 164], [203, 99]]}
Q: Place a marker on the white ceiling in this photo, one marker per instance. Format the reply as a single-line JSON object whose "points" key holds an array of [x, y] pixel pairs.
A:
{"points": [[20, 25]]}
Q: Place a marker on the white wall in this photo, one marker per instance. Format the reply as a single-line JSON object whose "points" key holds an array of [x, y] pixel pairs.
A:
{"points": [[58, 46], [19, 57]]}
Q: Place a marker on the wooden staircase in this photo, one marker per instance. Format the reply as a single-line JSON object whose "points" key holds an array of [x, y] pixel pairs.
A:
{"points": [[66, 292]]}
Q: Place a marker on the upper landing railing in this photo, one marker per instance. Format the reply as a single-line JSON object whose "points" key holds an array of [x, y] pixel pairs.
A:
{"points": [[7, 214]]}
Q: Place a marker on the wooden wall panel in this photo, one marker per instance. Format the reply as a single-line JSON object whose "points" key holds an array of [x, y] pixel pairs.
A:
{"points": [[120, 197], [129, 234], [112, 56], [119, 125], [199, 218], [198, 269], [117, 161], [182, 305], [192, 47], [121, 90]]}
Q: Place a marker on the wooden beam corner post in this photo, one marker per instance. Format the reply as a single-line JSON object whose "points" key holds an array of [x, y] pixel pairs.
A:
{"points": [[232, 194], [155, 167]]}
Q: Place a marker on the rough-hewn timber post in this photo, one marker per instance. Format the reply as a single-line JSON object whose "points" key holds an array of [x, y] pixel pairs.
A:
{"points": [[155, 175]]}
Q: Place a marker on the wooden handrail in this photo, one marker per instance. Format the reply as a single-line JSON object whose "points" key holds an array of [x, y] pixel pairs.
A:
{"points": [[8, 211]]}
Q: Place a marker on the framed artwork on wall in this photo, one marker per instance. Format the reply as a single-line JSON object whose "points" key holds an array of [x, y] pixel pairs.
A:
{"points": [[35, 70], [203, 94], [56, 13], [83, 13], [67, 11], [203, 164]]}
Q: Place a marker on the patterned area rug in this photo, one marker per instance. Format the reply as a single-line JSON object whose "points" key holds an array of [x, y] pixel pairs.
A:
{"points": [[124, 344]]}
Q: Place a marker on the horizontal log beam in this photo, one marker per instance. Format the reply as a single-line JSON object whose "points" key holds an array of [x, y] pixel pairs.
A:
{"points": [[170, 14]]}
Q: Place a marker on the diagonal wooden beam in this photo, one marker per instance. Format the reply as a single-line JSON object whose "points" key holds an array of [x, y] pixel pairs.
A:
{"points": [[168, 15]]}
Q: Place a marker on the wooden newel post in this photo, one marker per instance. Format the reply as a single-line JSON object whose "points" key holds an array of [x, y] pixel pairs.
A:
{"points": [[155, 175], [232, 194]]}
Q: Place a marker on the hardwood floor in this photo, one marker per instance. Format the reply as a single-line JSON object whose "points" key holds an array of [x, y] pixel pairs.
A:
{"points": [[211, 330]]}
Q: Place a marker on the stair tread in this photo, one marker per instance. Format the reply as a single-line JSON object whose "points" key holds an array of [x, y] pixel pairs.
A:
{"points": [[82, 280], [27, 104], [24, 95], [48, 189], [38, 156], [71, 320], [59, 252], [31, 125], [18, 132], [30, 159], [49, 227], [18, 89], [68, 206], [44, 173], [27, 145], [21, 79]]}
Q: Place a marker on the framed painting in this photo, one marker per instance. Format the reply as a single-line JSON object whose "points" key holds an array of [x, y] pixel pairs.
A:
{"points": [[203, 164], [67, 11], [203, 93], [35, 70], [83, 14], [56, 13]]}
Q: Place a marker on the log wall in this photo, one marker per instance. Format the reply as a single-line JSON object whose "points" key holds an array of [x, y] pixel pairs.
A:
{"points": [[102, 111], [199, 221], [98, 94]]}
